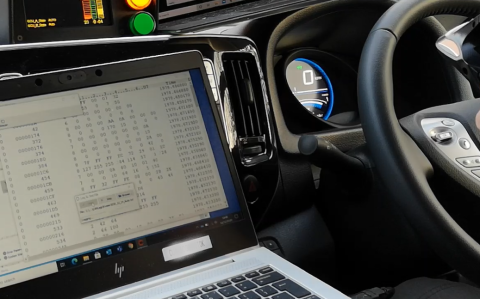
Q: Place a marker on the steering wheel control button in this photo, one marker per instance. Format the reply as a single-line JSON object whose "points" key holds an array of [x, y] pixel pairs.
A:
{"points": [[443, 136], [448, 123], [464, 143], [465, 154], [469, 162]]}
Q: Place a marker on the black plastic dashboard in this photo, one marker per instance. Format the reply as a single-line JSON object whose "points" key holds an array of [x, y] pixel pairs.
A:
{"points": [[278, 182]]}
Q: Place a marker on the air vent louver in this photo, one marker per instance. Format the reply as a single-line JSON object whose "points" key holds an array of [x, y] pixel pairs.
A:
{"points": [[247, 100]]}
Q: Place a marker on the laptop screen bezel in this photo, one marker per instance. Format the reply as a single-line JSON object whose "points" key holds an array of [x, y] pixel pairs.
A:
{"points": [[148, 262]]}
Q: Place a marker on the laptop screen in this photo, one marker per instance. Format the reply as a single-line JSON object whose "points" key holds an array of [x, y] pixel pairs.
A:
{"points": [[98, 172]]}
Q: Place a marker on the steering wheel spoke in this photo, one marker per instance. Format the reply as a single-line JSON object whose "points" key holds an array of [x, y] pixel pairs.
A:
{"points": [[448, 136]]}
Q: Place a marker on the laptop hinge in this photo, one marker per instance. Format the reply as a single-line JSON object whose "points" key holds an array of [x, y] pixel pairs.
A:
{"points": [[155, 281], [173, 276]]}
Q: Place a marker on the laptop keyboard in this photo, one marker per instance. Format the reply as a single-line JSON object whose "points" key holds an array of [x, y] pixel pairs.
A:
{"points": [[259, 284]]}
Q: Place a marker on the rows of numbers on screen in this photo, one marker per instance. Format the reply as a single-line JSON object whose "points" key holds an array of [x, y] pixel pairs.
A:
{"points": [[120, 146], [108, 150]]}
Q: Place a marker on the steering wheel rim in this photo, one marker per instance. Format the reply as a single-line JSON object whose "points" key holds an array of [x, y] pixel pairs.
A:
{"points": [[399, 160]]}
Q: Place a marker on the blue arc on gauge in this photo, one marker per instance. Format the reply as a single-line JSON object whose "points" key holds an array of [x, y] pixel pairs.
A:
{"points": [[315, 105], [329, 88], [325, 90]]}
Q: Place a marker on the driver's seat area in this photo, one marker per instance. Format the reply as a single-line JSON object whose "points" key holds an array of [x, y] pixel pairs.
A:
{"points": [[426, 288]]}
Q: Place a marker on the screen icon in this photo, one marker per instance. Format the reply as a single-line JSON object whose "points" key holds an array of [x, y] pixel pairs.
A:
{"points": [[140, 243], [108, 252], [119, 248], [62, 265], [74, 261], [97, 255], [130, 245], [86, 258]]}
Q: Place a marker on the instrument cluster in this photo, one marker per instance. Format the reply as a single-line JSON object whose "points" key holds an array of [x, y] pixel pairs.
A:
{"points": [[322, 84]]}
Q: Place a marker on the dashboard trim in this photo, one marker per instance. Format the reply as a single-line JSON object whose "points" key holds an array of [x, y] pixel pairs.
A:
{"points": [[115, 40]]}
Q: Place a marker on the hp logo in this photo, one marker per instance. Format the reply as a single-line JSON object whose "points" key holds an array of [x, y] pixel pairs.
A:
{"points": [[119, 270]]}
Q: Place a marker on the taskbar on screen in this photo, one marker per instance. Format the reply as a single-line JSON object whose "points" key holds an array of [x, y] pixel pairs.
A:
{"points": [[145, 241]]}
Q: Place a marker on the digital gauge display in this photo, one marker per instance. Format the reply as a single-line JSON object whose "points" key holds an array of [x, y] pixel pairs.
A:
{"points": [[311, 86], [67, 13]]}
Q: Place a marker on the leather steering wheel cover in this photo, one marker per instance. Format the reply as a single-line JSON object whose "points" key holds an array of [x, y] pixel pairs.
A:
{"points": [[402, 166]]}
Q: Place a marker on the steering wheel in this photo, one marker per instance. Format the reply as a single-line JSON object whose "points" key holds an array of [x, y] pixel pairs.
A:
{"points": [[405, 150]]}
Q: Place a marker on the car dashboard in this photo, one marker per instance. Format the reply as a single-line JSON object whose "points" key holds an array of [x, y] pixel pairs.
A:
{"points": [[271, 89]]}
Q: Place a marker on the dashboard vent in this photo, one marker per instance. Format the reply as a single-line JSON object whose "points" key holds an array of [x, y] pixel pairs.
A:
{"points": [[244, 85]]}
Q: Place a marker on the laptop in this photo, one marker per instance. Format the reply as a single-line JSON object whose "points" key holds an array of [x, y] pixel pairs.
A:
{"points": [[117, 182]]}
